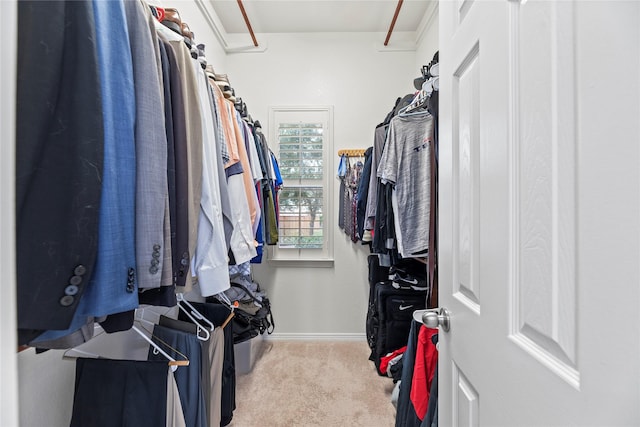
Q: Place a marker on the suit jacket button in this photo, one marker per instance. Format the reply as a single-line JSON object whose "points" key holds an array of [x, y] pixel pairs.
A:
{"points": [[67, 300], [71, 290], [156, 247], [75, 280], [153, 269], [80, 270]]}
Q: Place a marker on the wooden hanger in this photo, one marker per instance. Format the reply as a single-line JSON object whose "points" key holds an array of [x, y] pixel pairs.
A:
{"points": [[222, 297], [173, 363]]}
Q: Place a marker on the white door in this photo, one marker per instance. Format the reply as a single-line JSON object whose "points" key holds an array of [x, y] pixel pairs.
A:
{"points": [[540, 213]]}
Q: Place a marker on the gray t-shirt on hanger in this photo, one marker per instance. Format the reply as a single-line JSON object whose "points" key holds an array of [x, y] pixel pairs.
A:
{"points": [[406, 163]]}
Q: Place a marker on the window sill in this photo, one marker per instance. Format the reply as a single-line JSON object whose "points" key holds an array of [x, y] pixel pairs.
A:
{"points": [[302, 263]]}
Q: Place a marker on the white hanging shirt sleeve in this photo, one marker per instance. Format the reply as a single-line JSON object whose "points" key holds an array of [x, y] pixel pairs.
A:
{"points": [[210, 260]]}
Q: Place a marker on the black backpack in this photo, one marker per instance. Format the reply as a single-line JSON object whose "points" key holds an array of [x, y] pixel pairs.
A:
{"points": [[247, 325], [389, 318]]}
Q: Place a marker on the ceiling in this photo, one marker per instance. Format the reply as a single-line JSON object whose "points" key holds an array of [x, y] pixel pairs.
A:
{"points": [[300, 16]]}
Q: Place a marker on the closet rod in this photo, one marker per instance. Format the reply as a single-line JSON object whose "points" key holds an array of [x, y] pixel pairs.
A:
{"points": [[246, 21], [393, 21]]}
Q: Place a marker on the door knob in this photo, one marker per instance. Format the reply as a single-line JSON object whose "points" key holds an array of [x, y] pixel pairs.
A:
{"points": [[433, 320]]}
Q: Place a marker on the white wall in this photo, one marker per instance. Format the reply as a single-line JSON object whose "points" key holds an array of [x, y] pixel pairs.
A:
{"points": [[362, 84], [46, 384], [427, 44]]}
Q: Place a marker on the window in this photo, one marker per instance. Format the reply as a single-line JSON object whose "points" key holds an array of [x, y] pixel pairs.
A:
{"points": [[302, 140], [301, 199]]}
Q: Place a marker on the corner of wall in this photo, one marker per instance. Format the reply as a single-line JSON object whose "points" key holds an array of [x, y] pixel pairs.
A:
{"points": [[427, 41]]}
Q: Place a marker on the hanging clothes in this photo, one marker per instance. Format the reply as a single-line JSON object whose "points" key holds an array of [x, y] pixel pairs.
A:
{"points": [[349, 172], [113, 286], [423, 370], [59, 102], [362, 193], [218, 314], [405, 414], [190, 171], [177, 164], [179, 345], [173, 241], [431, 417], [342, 175], [213, 356], [151, 188], [269, 187], [242, 241], [178, 182], [418, 373], [210, 257], [434, 70], [104, 380], [401, 211], [405, 163], [372, 196]]}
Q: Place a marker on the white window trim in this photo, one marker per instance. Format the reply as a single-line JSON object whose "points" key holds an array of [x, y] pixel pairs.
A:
{"points": [[292, 258]]}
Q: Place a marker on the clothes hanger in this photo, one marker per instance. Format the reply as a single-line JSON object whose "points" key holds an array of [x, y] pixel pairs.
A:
{"points": [[222, 297], [139, 317], [173, 363], [419, 102], [80, 353], [417, 108], [195, 315], [194, 312]]}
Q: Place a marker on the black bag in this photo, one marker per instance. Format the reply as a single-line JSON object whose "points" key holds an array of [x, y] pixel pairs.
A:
{"points": [[377, 274], [247, 325], [389, 318], [243, 328]]}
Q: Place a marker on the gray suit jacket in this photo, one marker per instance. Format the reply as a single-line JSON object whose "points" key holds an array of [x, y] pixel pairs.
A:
{"points": [[151, 147], [193, 130], [194, 142]]}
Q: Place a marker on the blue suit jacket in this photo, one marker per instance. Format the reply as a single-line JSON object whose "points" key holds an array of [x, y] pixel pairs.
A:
{"points": [[59, 162], [112, 288]]}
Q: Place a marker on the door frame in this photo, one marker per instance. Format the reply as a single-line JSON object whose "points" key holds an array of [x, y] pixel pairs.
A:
{"points": [[8, 309]]}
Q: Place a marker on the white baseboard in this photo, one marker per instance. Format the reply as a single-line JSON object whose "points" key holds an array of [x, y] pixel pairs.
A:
{"points": [[292, 336]]}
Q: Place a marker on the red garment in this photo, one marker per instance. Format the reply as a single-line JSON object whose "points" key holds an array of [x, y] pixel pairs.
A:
{"points": [[424, 369], [384, 360]]}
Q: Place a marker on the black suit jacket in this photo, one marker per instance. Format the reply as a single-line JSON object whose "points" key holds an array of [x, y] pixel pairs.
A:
{"points": [[59, 154], [178, 196]]}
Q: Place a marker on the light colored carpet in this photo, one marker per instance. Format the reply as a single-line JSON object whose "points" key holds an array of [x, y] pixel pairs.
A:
{"points": [[320, 383]]}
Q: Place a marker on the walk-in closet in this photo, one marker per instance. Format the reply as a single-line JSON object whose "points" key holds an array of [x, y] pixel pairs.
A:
{"points": [[262, 213]]}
